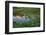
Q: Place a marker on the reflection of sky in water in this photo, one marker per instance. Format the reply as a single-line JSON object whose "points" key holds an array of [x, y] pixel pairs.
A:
{"points": [[15, 19]]}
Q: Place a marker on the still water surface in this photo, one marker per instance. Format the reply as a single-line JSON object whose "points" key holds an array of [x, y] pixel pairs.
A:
{"points": [[21, 19]]}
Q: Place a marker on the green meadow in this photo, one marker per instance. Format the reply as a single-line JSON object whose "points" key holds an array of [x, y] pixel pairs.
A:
{"points": [[32, 13]]}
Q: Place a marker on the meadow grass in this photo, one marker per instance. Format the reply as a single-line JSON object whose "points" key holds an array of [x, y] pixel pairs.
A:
{"points": [[33, 13], [26, 24]]}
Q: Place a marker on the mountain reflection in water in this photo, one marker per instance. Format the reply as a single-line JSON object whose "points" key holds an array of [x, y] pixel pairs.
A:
{"points": [[21, 19]]}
